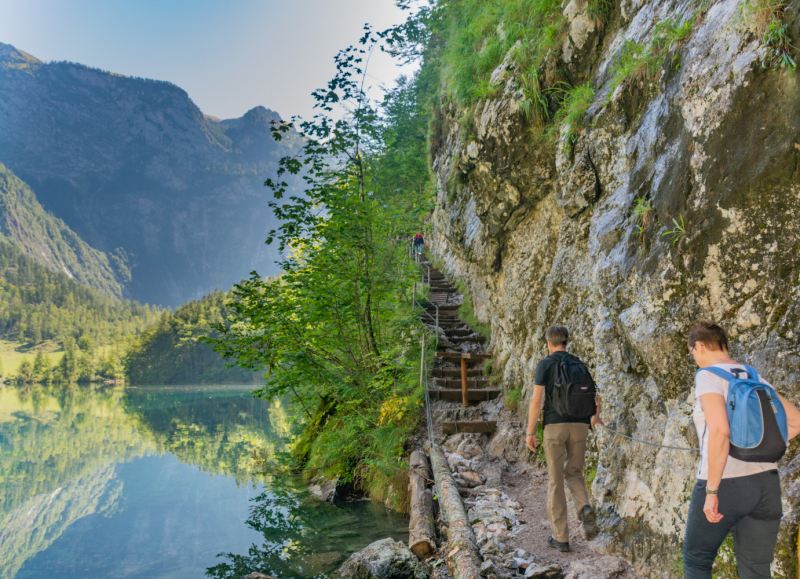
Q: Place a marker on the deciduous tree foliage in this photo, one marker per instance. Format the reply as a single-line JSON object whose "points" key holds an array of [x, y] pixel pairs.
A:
{"points": [[334, 331], [170, 352]]}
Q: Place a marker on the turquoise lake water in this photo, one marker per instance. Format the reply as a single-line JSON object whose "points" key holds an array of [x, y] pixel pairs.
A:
{"points": [[158, 482]]}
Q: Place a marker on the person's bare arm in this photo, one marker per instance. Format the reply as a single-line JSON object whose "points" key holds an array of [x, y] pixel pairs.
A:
{"points": [[533, 416], [719, 441], [792, 417], [596, 418]]}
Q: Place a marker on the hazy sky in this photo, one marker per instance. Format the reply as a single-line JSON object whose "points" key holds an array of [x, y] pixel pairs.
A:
{"points": [[229, 56]]}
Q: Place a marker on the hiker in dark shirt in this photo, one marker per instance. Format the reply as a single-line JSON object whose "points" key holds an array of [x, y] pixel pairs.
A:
{"points": [[419, 241], [564, 445]]}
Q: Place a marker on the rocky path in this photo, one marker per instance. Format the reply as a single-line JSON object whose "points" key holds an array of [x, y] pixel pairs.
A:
{"points": [[502, 484]]}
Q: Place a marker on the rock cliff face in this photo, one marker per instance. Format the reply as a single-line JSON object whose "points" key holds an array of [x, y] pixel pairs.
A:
{"points": [[545, 235], [134, 164]]}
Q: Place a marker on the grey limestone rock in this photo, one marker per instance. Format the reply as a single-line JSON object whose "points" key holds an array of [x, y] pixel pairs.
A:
{"points": [[324, 489], [584, 234], [384, 559]]}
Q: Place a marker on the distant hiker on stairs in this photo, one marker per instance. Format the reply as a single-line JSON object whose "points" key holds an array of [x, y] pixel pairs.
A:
{"points": [[419, 241], [571, 406]]}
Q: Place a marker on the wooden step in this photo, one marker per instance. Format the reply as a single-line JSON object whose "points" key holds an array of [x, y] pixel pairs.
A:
{"points": [[475, 426], [460, 332], [454, 395], [456, 373], [477, 382], [477, 339], [447, 308], [463, 355]]}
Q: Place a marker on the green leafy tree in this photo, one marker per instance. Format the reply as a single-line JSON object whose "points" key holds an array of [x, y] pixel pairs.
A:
{"points": [[68, 366], [169, 352], [41, 367], [332, 330], [25, 372]]}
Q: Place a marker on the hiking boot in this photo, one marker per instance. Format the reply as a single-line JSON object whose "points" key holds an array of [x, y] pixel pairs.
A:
{"points": [[563, 547], [589, 519]]}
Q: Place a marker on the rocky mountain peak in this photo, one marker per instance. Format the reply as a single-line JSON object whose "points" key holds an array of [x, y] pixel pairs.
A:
{"points": [[10, 56], [133, 163]]}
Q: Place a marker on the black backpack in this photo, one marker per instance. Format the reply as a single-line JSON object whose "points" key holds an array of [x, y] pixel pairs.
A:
{"points": [[574, 392]]}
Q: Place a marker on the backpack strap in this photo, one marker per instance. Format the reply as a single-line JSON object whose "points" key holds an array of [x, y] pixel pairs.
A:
{"points": [[751, 372], [724, 374]]}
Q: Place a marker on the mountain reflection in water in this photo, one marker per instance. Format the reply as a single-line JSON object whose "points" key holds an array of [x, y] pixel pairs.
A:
{"points": [[156, 482]]}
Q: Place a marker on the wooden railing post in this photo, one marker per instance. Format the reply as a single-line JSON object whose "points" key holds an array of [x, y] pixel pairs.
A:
{"points": [[464, 393]]}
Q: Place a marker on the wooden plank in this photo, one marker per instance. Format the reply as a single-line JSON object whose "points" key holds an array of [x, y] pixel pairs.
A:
{"points": [[480, 426], [455, 395], [466, 355], [474, 382], [444, 373]]}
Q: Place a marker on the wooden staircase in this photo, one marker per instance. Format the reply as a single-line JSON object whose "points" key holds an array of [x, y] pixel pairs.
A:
{"points": [[459, 373]]}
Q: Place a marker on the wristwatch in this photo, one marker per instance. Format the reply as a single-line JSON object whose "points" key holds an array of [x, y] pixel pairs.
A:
{"points": [[710, 492]]}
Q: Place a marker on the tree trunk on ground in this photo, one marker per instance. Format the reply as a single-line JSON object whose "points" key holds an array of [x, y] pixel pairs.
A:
{"points": [[463, 559], [421, 535]]}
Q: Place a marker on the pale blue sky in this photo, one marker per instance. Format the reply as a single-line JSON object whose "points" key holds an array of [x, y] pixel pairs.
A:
{"points": [[229, 56]]}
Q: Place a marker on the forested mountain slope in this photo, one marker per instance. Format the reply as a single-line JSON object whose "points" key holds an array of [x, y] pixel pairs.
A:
{"points": [[24, 223], [169, 350], [38, 304], [134, 164]]}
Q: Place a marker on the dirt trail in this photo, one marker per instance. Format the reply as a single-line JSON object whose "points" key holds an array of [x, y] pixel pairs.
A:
{"points": [[504, 493]]}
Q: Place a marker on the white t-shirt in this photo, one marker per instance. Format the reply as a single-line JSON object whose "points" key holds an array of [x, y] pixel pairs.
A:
{"points": [[708, 383]]}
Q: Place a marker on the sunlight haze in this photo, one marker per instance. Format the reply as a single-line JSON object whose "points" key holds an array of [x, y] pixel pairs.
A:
{"points": [[229, 57]]}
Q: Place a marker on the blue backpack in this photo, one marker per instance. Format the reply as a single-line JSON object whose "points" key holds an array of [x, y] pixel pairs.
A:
{"points": [[757, 419]]}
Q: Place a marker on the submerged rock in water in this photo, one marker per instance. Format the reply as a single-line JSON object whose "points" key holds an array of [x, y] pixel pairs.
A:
{"points": [[384, 559], [324, 489]]}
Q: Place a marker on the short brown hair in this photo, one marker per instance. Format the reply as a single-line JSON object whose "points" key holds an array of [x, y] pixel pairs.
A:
{"points": [[557, 335], [710, 333]]}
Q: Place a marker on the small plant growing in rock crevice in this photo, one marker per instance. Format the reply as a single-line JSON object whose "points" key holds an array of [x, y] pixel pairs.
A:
{"points": [[764, 18], [467, 312], [778, 44], [642, 215], [513, 398], [600, 11], [640, 63], [534, 103], [678, 232], [575, 101]]}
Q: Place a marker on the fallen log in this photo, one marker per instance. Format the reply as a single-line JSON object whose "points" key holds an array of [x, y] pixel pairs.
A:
{"points": [[421, 534], [463, 560]]}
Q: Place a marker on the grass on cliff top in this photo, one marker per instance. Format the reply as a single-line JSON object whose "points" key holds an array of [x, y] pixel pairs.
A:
{"points": [[483, 31]]}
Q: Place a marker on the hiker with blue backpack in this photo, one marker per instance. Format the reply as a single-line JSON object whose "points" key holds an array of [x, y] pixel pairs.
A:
{"points": [[743, 426], [571, 407]]}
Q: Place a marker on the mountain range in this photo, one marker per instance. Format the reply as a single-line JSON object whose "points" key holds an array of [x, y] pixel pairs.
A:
{"points": [[161, 203]]}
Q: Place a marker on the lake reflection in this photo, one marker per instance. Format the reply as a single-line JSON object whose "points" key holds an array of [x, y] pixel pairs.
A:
{"points": [[155, 482]]}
